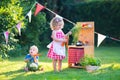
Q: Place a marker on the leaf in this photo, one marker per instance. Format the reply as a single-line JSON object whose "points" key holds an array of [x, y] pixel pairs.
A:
{"points": [[75, 32]]}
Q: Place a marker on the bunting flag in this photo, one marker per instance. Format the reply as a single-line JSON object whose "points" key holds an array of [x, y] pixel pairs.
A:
{"points": [[100, 39], [29, 14], [58, 16], [39, 7], [49, 45], [6, 34], [19, 28]]}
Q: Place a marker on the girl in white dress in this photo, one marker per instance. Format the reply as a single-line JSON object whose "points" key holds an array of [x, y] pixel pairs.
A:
{"points": [[57, 50]]}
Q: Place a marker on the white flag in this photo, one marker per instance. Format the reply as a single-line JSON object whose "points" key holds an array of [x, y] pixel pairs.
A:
{"points": [[29, 14], [58, 16], [100, 39]]}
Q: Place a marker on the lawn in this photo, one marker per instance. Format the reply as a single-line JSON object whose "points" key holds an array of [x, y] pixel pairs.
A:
{"points": [[12, 69]]}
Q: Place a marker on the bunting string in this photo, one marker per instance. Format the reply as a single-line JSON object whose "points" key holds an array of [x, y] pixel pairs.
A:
{"points": [[109, 37], [39, 7], [31, 8], [33, 5], [114, 39], [62, 17]]}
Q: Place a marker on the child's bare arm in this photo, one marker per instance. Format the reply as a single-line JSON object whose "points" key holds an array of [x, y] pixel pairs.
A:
{"points": [[35, 59]]}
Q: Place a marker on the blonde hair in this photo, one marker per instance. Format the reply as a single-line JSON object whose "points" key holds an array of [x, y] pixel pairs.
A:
{"points": [[35, 47], [55, 21]]}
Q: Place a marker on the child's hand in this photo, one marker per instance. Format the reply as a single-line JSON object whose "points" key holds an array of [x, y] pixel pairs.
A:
{"points": [[35, 59], [34, 55], [65, 40]]}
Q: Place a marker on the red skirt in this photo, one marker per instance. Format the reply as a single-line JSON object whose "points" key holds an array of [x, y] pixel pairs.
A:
{"points": [[53, 55]]}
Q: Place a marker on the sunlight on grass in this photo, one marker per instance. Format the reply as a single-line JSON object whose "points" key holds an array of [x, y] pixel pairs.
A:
{"points": [[8, 65], [108, 68], [112, 65], [48, 66], [13, 69], [116, 66]]}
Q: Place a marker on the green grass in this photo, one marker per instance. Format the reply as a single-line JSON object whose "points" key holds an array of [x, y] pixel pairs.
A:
{"points": [[12, 69]]}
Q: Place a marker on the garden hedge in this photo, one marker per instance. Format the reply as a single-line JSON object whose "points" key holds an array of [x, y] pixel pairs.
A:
{"points": [[105, 14]]}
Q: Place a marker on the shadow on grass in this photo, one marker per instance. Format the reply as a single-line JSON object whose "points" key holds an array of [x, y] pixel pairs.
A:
{"points": [[65, 74], [107, 73], [20, 71]]}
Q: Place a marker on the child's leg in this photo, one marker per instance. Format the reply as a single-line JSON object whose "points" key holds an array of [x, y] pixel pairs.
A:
{"points": [[27, 67], [59, 65], [54, 64]]}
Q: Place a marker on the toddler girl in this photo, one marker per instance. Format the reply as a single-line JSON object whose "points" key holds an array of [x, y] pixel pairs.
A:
{"points": [[57, 50]]}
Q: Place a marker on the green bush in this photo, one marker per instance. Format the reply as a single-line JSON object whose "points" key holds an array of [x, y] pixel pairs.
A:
{"points": [[93, 61], [15, 51], [33, 30]]}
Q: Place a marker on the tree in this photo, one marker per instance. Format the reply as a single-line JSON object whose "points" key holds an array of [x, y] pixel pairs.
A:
{"points": [[12, 12], [10, 15]]}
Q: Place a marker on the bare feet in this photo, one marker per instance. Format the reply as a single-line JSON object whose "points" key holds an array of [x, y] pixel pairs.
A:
{"points": [[26, 69]]}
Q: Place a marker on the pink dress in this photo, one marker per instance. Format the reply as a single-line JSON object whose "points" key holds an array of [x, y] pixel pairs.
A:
{"points": [[56, 51]]}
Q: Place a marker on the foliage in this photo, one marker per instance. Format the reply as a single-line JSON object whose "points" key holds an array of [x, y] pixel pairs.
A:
{"points": [[13, 68], [12, 12], [33, 30], [75, 32], [4, 50], [105, 14], [24, 4], [93, 61], [13, 49], [10, 15]]}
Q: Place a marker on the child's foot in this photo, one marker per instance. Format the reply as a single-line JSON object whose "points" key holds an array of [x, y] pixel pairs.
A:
{"points": [[59, 70], [26, 69], [41, 69]]}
